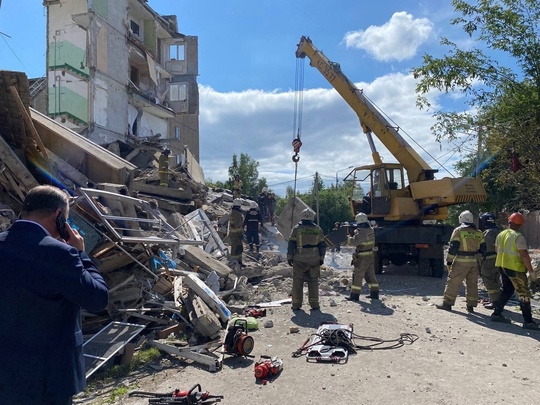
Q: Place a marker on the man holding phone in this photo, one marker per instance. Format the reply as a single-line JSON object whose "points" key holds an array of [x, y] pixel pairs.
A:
{"points": [[46, 279]]}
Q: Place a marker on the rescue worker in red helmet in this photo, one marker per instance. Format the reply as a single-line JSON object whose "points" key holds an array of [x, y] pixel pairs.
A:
{"points": [[491, 275], [466, 247], [514, 262]]}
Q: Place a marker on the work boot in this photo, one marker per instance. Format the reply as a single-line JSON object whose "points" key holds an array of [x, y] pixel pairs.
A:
{"points": [[470, 309], [500, 318], [374, 295], [531, 325], [489, 305], [296, 308], [353, 297], [446, 307]]}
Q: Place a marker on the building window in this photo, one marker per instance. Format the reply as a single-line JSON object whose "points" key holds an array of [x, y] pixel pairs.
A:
{"points": [[134, 27], [178, 92], [177, 52], [177, 133]]}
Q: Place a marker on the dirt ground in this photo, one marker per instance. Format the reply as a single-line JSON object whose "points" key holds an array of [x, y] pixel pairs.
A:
{"points": [[458, 357]]}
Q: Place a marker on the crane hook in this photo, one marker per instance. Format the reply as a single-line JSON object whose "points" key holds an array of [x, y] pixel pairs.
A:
{"points": [[296, 143]]}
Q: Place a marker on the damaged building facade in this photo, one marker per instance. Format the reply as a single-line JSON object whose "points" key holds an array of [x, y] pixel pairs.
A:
{"points": [[117, 72]]}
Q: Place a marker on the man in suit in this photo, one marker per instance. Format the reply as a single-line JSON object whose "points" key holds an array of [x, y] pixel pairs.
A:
{"points": [[45, 280]]}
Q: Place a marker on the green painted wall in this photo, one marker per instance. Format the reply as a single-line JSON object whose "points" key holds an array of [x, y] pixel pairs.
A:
{"points": [[150, 36], [100, 7], [65, 55], [71, 103]]}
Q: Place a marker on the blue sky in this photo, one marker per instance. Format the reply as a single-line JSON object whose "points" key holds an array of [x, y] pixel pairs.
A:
{"points": [[247, 76]]}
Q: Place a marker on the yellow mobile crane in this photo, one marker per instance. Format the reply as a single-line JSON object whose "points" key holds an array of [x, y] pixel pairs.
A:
{"points": [[407, 214]]}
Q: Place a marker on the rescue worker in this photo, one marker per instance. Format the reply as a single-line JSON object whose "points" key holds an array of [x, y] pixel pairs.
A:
{"points": [[252, 221], [363, 258], [491, 275], [305, 253], [514, 261], [271, 206], [164, 168], [237, 186], [466, 244], [236, 231], [263, 203]]}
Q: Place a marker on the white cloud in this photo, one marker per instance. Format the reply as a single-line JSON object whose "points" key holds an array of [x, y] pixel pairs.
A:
{"points": [[261, 124], [397, 39]]}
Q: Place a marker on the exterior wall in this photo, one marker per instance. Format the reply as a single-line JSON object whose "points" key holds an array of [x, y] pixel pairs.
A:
{"points": [[110, 69], [109, 60], [67, 74]]}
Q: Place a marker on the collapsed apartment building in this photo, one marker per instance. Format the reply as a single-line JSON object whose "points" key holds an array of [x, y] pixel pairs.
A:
{"points": [[155, 245]]}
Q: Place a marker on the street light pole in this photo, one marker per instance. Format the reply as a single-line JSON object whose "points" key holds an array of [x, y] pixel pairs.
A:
{"points": [[350, 167]]}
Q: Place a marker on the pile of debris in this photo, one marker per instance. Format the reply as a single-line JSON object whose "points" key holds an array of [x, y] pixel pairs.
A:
{"points": [[161, 249]]}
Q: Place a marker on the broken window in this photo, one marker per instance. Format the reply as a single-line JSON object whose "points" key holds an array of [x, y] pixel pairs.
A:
{"points": [[134, 27]]}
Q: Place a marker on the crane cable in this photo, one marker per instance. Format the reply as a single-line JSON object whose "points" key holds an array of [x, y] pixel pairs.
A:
{"points": [[297, 121]]}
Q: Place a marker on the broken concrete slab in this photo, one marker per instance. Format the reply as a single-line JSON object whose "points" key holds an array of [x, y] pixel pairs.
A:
{"points": [[290, 216]]}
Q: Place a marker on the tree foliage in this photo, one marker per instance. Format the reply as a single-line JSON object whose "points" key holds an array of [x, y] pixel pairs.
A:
{"points": [[333, 203], [247, 168], [504, 99]]}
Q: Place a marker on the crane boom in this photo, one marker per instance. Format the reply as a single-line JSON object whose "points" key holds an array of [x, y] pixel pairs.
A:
{"points": [[407, 216], [370, 118]]}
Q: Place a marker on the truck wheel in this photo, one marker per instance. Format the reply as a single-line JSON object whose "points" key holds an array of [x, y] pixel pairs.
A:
{"points": [[424, 269], [437, 268], [378, 263]]}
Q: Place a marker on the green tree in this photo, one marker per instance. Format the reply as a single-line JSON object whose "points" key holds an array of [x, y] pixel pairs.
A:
{"points": [[247, 168], [333, 203], [504, 100]]}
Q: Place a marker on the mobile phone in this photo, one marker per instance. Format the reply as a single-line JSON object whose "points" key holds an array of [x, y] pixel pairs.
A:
{"points": [[61, 226]]}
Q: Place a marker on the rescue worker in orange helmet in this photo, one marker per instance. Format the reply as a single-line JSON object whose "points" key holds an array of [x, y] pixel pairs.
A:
{"points": [[514, 261], [467, 245]]}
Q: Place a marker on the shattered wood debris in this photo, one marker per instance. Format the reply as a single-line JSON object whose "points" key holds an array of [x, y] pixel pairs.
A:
{"points": [[155, 245]]}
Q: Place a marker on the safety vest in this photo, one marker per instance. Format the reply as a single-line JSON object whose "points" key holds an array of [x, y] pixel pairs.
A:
{"points": [[507, 253]]}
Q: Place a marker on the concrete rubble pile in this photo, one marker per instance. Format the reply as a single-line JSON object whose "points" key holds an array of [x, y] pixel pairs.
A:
{"points": [[155, 245]]}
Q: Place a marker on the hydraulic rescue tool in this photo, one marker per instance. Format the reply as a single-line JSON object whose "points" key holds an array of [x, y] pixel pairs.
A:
{"points": [[191, 397], [268, 367], [237, 341]]}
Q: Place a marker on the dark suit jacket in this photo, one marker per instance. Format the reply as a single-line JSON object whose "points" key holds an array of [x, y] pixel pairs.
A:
{"points": [[43, 285]]}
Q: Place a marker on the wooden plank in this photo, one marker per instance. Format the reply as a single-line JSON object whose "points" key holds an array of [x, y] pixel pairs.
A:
{"points": [[14, 185], [29, 123], [10, 159]]}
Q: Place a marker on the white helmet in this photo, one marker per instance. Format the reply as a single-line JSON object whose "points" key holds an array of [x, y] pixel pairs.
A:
{"points": [[466, 216], [264, 189], [361, 218], [307, 214], [237, 202], [254, 205]]}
